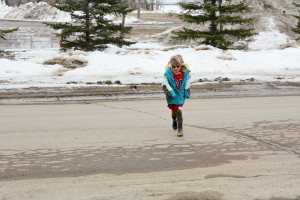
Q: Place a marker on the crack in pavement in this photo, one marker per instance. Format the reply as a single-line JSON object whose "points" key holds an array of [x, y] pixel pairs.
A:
{"points": [[219, 130], [139, 111], [249, 137]]}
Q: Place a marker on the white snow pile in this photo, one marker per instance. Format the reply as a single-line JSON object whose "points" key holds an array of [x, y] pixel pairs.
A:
{"points": [[33, 11], [4, 9], [280, 11], [145, 63], [270, 38]]}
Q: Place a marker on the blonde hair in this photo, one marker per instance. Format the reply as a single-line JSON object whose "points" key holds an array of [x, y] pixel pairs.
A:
{"points": [[177, 60]]}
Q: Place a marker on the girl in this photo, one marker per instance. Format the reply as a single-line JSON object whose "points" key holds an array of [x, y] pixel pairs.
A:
{"points": [[176, 84]]}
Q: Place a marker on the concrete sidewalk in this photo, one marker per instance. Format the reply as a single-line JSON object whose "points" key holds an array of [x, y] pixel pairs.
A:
{"points": [[233, 148]]}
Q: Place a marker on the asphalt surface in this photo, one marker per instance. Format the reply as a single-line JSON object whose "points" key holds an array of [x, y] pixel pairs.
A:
{"points": [[232, 148]]}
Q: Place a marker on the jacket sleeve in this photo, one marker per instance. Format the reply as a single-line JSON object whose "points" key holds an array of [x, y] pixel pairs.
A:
{"points": [[188, 82], [165, 83], [187, 92]]}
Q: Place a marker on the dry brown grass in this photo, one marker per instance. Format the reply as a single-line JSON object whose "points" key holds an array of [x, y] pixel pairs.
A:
{"points": [[146, 31], [164, 16], [69, 63]]}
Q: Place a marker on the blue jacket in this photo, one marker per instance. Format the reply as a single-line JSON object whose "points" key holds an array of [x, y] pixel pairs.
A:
{"points": [[178, 95]]}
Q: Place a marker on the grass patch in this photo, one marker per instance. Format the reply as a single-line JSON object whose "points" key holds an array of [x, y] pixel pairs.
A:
{"points": [[166, 16], [69, 63], [146, 31]]}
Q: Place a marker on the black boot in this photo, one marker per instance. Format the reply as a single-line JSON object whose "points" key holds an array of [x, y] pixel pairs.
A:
{"points": [[174, 124], [179, 120]]}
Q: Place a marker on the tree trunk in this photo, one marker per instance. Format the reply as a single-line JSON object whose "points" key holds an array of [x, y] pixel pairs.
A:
{"points": [[299, 20], [213, 25], [151, 5], [157, 3], [123, 20], [138, 9], [146, 5], [87, 24], [220, 4]]}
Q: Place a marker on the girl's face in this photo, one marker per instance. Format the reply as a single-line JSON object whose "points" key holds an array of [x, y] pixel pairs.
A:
{"points": [[176, 68]]}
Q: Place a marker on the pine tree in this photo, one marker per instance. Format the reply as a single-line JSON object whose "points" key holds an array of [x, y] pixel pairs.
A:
{"points": [[92, 30], [221, 16], [297, 29]]}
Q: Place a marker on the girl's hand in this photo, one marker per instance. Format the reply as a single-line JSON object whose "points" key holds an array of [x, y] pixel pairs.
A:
{"points": [[187, 93], [167, 92]]}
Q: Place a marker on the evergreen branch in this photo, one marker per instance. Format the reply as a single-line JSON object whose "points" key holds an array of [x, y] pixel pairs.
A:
{"points": [[296, 4], [197, 19], [4, 32], [215, 39], [296, 30], [239, 33], [296, 16], [185, 34], [230, 9], [69, 6], [209, 8], [233, 20], [190, 6], [58, 25]]}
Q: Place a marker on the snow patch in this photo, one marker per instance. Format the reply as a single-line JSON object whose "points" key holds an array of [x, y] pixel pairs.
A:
{"points": [[34, 11], [269, 39]]}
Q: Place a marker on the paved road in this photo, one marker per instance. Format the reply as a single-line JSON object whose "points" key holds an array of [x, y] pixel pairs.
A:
{"points": [[233, 148]]}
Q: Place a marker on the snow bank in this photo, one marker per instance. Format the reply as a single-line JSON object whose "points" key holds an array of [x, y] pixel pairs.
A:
{"points": [[4, 9], [269, 39], [145, 63], [34, 11]]}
